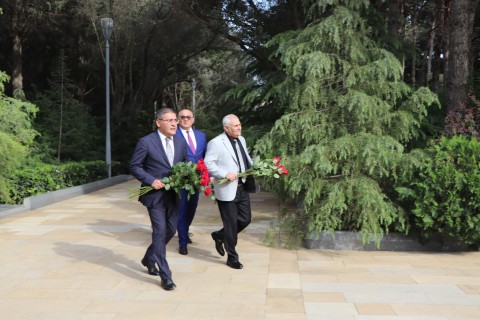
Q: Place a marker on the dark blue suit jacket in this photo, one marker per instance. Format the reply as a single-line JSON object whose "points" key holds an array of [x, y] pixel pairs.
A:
{"points": [[149, 162], [201, 139]]}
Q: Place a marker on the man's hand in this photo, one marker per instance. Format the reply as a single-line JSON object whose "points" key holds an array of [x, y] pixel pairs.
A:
{"points": [[157, 184], [231, 176]]}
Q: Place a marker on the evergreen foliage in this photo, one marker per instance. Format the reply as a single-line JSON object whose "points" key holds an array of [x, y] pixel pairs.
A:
{"points": [[16, 134], [445, 190], [349, 115], [64, 122]]}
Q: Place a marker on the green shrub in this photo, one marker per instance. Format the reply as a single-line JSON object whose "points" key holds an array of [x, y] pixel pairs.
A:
{"points": [[77, 173], [30, 181], [42, 178], [446, 192]]}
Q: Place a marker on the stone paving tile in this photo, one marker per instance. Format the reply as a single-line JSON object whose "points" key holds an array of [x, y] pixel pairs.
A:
{"points": [[80, 259], [376, 309]]}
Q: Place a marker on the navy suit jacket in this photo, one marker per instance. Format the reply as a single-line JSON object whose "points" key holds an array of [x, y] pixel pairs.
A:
{"points": [[149, 162], [201, 139]]}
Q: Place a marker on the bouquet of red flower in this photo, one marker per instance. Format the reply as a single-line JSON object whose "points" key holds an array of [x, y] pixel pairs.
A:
{"points": [[185, 175], [263, 168]]}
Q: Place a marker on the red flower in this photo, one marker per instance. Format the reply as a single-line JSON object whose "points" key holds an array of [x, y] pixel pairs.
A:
{"points": [[282, 170], [205, 179], [185, 175], [276, 161], [201, 166], [207, 192]]}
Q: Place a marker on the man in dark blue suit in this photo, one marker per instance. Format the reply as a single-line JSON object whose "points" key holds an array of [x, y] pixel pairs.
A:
{"points": [[197, 145], [152, 160]]}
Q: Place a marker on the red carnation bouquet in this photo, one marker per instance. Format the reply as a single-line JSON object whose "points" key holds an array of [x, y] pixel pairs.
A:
{"points": [[185, 175]]}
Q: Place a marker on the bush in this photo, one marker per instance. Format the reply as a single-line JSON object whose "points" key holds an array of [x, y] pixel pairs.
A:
{"points": [[446, 191], [42, 178]]}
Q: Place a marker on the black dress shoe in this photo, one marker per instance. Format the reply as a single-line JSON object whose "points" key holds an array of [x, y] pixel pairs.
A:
{"points": [[189, 240], [167, 284], [183, 250], [218, 244], [152, 269], [234, 264]]}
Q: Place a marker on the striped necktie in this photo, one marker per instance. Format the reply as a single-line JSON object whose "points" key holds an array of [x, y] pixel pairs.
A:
{"points": [[169, 150]]}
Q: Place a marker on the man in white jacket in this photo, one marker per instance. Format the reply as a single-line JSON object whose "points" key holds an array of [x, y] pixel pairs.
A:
{"points": [[226, 157]]}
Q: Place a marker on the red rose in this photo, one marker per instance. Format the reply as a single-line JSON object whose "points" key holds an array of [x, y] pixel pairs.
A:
{"points": [[283, 170], [205, 179], [201, 166], [207, 191], [276, 161]]}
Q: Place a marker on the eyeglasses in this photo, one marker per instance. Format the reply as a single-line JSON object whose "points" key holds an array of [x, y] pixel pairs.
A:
{"points": [[186, 117], [170, 120]]}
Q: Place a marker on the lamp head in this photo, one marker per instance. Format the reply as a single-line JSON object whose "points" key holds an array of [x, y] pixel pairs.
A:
{"points": [[107, 27]]}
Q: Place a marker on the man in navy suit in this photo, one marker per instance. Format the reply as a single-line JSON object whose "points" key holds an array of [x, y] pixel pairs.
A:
{"points": [[196, 147], [152, 160]]}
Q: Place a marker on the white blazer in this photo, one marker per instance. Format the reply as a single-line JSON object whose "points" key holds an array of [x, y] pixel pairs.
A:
{"points": [[220, 159]]}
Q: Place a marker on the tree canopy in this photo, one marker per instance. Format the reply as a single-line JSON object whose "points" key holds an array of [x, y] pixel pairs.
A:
{"points": [[348, 116], [16, 133]]}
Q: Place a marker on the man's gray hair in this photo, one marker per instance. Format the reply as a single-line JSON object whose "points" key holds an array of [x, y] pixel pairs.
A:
{"points": [[160, 112], [228, 119]]}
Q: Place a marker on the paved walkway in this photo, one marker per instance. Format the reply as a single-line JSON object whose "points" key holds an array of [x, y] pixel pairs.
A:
{"points": [[80, 259]]}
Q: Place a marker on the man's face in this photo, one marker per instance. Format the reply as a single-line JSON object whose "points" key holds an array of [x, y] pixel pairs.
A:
{"points": [[234, 129], [167, 124], [186, 119]]}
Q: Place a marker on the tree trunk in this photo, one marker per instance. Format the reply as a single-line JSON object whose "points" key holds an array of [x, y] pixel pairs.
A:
{"points": [[426, 73], [17, 67], [461, 24], [414, 44], [439, 52]]}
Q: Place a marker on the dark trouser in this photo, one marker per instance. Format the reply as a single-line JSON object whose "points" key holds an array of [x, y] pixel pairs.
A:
{"points": [[164, 225], [236, 216], [186, 213]]}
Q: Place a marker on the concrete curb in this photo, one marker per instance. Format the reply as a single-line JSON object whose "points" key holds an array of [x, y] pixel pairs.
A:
{"points": [[343, 240], [35, 202]]}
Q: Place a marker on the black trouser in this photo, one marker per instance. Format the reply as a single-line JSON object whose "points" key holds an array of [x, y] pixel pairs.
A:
{"points": [[236, 216]]}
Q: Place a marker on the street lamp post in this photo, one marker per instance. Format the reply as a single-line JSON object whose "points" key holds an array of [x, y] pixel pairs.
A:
{"points": [[107, 26]]}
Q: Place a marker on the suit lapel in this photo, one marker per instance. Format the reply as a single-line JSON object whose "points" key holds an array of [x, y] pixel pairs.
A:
{"points": [[177, 145], [157, 143], [229, 147]]}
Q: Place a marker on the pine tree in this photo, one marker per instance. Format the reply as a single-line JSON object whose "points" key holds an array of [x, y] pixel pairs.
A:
{"points": [[349, 116], [63, 121]]}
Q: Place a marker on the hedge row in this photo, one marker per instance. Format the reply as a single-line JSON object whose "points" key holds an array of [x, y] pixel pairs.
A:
{"points": [[44, 178]]}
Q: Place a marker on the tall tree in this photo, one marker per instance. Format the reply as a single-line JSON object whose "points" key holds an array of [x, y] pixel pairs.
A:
{"points": [[151, 44], [348, 117], [26, 18], [19, 22], [460, 39], [64, 122]]}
